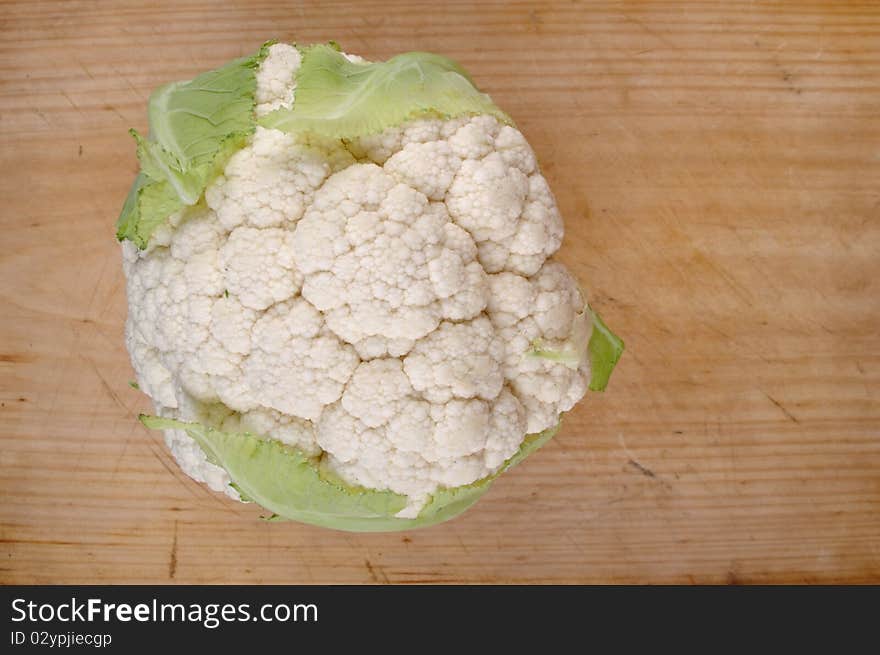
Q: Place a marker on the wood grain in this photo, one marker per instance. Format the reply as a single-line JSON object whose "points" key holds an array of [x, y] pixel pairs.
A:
{"points": [[717, 165]]}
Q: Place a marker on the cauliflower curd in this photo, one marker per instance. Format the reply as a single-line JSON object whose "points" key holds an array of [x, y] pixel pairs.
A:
{"points": [[348, 312]]}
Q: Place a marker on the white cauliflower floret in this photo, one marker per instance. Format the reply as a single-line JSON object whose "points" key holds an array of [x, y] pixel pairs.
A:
{"points": [[200, 323], [506, 424], [487, 198], [457, 360], [231, 324], [161, 321], [258, 266], [291, 430], [371, 302], [474, 139], [545, 308], [276, 86], [427, 167], [515, 150], [270, 183], [295, 365], [383, 430], [460, 428], [378, 259], [376, 392], [379, 147], [499, 197], [199, 233], [154, 378]]}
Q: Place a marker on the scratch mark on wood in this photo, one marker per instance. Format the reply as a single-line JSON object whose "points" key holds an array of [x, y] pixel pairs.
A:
{"points": [[644, 470], [781, 407], [13, 358], [84, 68], [119, 459], [734, 577], [42, 117], [109, 107], [649, 31], [156, 450], [71, 102], [172, 561], [108, 388], [375, 573], [728, 279]]}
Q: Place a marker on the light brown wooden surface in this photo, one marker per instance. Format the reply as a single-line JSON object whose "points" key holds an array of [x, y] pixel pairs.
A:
{"points": [[718, 167]]}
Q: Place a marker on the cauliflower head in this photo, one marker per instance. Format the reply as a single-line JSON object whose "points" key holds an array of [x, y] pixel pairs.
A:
{"points": [[341, 293]]}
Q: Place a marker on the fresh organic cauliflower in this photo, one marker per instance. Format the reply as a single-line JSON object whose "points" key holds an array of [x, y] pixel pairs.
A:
{"points": [[341, 297]]}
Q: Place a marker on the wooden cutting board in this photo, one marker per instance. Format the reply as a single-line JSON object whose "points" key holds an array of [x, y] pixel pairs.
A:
{"points": [[717, 165]]}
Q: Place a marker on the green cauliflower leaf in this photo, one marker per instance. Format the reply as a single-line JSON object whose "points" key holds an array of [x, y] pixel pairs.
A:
{"points": [[195, 127], [341, 99], [293, 486]]}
